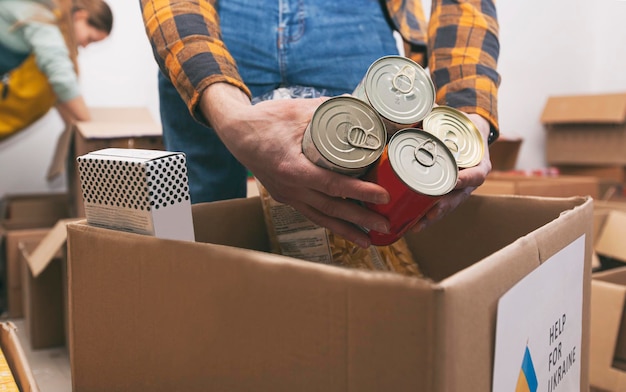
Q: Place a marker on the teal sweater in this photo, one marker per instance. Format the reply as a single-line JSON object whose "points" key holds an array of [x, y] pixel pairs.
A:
{"points": [[36, 36]]}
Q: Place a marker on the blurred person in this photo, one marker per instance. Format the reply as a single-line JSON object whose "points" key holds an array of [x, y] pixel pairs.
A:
{"points": [[39, 41], [215, 56]]}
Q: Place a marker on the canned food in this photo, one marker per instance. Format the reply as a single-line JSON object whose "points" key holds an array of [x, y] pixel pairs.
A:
{"points": [[399, 89], [458, 132], [345, 135], [417, 169]]}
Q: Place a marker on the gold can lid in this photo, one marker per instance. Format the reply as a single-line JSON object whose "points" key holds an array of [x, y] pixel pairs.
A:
{"points": [[458, 133], [399, 89], [422, 161], [348, 132]]}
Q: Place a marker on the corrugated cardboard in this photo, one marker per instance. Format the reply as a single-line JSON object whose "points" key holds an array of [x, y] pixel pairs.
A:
{"points": [[16, 358], [503, 153], [44, 298], [608, 330], [500, 183], [22, 212], [612, 236], [615, 173], [127, 127], [15, 290], [585, 129], [28, 211], [224, 314]]}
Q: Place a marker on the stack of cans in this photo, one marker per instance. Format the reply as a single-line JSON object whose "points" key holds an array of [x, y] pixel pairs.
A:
{"points": [[390, 132]]}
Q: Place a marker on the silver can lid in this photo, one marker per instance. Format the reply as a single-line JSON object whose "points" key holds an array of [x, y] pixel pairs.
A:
{"points": [[348, 132], [399, 89], [458, 132], [423, 162]]}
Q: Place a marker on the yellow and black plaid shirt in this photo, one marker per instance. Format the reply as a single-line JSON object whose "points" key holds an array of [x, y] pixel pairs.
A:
{"points": [[460, 45]]}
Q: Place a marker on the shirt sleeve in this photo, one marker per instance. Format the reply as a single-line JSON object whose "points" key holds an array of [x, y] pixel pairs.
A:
{"points": [[463, 49], [188, 47], [46, 42]]}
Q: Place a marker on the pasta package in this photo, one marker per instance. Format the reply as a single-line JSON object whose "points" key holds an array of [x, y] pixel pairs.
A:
{"points": [[292, 234]]}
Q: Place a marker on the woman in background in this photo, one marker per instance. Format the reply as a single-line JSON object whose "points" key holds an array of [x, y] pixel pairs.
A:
{"points": [[38, 69]]}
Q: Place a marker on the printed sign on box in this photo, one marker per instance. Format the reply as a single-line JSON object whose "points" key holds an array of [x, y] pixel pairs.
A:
{"points": [[539, 327]]}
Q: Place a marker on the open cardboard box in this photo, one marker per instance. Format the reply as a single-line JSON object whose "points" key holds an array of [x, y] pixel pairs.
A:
{"points": [[22, 217], [124, 127], [608, 330], [585, 129], [223, 313]]}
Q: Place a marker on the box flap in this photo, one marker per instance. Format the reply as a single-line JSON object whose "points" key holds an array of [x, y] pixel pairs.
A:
{"points": [[49, 246], [610, 240], [606, 108], [17, 358], [61, 151]]}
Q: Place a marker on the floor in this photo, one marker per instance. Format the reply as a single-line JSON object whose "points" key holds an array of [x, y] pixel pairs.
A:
{"points": [[50, 367]]}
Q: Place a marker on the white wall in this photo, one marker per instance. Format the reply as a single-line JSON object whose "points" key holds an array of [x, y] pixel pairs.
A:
{"points": [[548, 47]]}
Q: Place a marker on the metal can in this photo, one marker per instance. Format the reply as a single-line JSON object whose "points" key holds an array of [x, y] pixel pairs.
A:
{"points": [[345, 135], [417, 169], [458, 132], [399, 89]]}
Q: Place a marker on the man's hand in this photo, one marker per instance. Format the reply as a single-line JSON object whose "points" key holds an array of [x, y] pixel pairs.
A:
{"points": [[469, 180], [267, 139]]}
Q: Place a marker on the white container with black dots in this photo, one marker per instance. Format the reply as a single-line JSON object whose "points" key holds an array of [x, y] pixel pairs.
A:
{"points": [[139, 191]]}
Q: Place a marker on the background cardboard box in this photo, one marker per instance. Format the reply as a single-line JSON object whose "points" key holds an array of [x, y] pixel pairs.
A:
{"points": [[21, 217], [44, 299], [608, 330], [585, 129], [124, 127], [532, 185], [503, 153], [154, 314], [16, 358]]}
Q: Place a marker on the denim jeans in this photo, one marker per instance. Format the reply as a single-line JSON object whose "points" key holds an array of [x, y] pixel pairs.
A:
{"points": [[324, 44]]}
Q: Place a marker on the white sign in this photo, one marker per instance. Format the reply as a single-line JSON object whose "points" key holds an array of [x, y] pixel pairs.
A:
{"points": [[539, 327]]}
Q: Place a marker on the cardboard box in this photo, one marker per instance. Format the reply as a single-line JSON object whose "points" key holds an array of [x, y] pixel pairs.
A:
{"points": [[135, 190], [224, 314], [608, 330], [503, 153], [44, 299], [28, 211], [585, 129], [128, 127], [15, 289], [16, 358], [520, 184], [615, 173]]}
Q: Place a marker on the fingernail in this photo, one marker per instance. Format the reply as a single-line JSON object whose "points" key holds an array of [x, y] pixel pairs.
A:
{"points": [[381, 228], [382, 199]]}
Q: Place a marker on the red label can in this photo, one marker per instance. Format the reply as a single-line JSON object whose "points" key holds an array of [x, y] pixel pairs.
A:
{"points": [[417, 169]]}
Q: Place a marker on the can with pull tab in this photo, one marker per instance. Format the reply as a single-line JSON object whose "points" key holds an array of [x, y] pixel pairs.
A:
{"points": [[345, 135], [400, 91], [417, 169]]}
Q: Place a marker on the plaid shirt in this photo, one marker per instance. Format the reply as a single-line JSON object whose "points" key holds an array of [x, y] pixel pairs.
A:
{"points": [[461, 50]]}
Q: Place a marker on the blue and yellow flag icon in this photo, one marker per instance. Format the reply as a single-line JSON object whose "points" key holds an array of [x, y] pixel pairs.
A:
{"points": [[527, 380]]}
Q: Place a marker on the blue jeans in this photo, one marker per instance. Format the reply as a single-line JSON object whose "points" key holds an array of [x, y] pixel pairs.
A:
{"points": [[324, 44]]}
